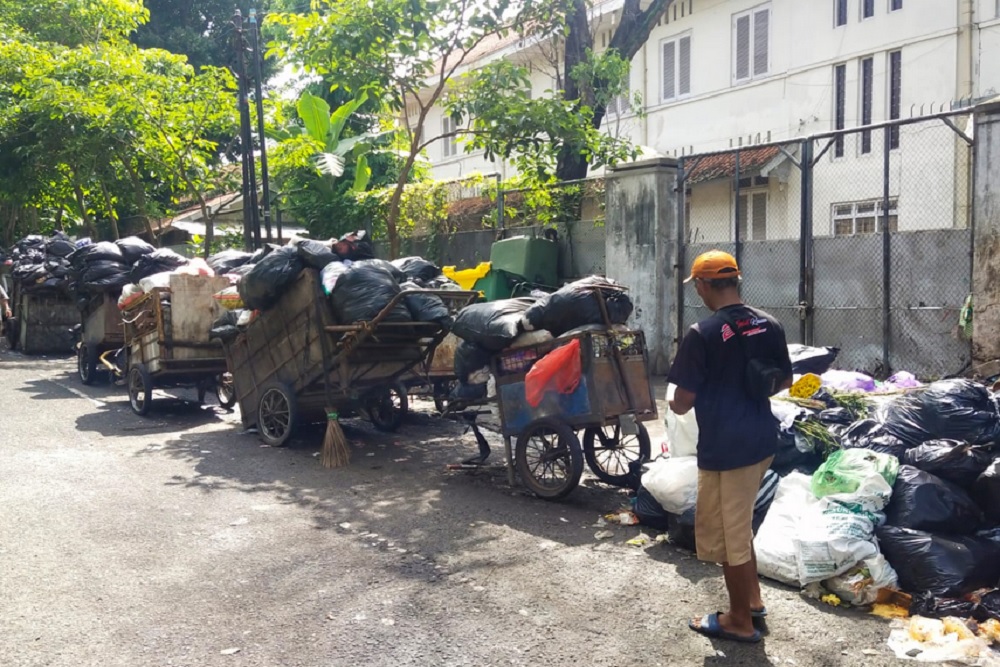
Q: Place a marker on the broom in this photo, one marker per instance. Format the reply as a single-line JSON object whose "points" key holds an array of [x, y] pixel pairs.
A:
{"points": [[335, 452]]}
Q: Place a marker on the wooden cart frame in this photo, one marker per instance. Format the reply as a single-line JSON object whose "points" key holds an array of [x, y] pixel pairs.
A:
{"points": [[42, 321], [169, 346], [295, 361], [101, 332]]}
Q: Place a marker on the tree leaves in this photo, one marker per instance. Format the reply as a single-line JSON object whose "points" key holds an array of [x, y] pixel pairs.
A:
{"points": [[315, 115]]}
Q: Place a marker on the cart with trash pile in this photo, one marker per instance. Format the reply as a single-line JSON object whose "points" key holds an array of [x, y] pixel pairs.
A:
{"points": [[167, 335], [42, 320], [435, 377], [295, 361], [101, 332], [609, 405]]}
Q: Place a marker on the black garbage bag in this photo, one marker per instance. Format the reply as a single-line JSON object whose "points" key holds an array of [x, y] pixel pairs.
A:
{"points": [[837, 416], [316, 254], [112, 283], [385, 266], [986, 492], [868, 434], [240, 271], [980, 605], [493, 325], [649, 512], [951, 460], [575, 305], [263, 286], [133, 248], [417, 268], [364, 291], [954, 409], [159, 261], [806, 359], [470, 358], [96, 252], [425, 307], [789, 458], [468, 392], [224, 328], [262, 252], [923, 501], [943, 565], [227, 260], [97, 270], [355, 246], [443, 283], [59, 248]]}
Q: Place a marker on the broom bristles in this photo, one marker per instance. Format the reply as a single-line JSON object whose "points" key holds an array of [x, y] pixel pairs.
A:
{"points": [[335, 453]]}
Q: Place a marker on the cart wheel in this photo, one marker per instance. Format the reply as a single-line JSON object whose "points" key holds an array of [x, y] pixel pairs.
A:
{"points": [[277, 414], [225, 390], [140, 389], [549, 459], [388, 408], [609, 452], [86, 364], [442, 393]]}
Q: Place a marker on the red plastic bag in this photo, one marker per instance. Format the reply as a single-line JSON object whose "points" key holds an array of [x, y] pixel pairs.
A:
{"points": [[559, 370]]}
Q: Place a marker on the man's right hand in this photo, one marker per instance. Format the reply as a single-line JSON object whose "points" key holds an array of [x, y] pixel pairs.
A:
{"points": [[7, 314]]}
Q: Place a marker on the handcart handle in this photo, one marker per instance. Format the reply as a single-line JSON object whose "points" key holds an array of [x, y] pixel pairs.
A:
{"points": [[616, 354]]}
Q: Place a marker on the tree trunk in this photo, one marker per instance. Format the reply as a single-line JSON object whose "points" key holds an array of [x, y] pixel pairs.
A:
{"points": [[112, 214], [87, 221], [631, 34], [397, 195], [140, 198], [59, 219]]}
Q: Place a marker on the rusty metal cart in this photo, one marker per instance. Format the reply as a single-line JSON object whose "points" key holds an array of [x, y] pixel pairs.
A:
{"points": [[295, 361], [102, 331], [167, 334], [610, 404], [42, 321]]}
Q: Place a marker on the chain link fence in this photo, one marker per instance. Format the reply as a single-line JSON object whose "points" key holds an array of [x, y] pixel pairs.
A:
{"points": [[858, 239]]}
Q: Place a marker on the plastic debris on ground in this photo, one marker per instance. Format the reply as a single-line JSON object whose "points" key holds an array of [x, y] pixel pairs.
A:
{"points": [[951, 640]]}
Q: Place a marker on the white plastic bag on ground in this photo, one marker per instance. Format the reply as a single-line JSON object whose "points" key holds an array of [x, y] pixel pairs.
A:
{"points": [[149, 283], [682, 430], [777, 552], [942, 641], [673, 482]]}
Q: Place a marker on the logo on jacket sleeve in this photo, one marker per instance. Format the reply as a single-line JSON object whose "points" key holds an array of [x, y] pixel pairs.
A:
{"points": [[727, 332]]}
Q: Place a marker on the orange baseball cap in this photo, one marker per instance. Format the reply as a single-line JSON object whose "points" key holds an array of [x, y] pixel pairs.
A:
{"points": [[714, 265]]}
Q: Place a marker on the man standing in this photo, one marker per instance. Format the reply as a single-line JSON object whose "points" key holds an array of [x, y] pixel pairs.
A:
{"points": [[738, 434]]}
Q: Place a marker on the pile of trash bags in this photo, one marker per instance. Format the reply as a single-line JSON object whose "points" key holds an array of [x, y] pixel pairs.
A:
{"points": [[492, 327], [889, 484], [359, 286], [40, 264]]}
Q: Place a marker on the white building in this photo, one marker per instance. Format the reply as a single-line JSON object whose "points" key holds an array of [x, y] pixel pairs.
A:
{"points": [[721, 74]]}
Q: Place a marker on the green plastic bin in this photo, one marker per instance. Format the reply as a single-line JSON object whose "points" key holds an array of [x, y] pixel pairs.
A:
{"points": [[527, 259]]}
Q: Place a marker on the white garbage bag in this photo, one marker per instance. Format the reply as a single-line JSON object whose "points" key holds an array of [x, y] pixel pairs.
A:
{"points": [[682, 430], [777, 552], [673, 482]]}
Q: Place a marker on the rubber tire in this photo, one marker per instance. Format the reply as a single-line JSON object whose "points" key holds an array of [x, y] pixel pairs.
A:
{"points": [[572, 459], [139, 375], [594, 434], [86, 365], [277, 391], [221, 392], [389, 423]]}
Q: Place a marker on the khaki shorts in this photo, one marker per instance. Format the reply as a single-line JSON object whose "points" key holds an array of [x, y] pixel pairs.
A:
{"points": [[724, 517]]}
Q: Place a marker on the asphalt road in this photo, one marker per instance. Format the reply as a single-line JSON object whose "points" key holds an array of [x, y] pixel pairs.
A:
{"points": [[179, 540]]}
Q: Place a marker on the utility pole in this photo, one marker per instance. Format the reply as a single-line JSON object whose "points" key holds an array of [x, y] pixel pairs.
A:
{"points": [[251, 215], [258, 59]]}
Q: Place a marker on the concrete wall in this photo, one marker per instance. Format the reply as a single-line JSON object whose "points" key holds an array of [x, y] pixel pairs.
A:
{"points": [[986, 261]]}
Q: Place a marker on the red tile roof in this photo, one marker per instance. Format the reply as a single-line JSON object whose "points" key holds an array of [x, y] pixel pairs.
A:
{"points": [[723, 165]]}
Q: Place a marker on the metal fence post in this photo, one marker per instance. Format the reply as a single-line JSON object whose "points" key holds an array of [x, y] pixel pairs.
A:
{"points": [[737, 240], [682, 239], [886, 255], [806, 245]]}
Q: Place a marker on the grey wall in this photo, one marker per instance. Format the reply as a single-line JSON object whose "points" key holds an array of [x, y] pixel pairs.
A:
{"points": [[986, 213]]}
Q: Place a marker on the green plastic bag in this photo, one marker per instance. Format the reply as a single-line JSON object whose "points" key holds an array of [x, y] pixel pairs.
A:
{"points": [[844, 471]]}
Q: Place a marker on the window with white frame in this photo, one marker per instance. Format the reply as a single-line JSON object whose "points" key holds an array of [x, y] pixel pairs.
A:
{"points": [[840, 13], [867, 101], [895, 5], [618, 106], [449, 146], [839, 107], [751, 215], [895, 96], [676, 61], [867, 9], [864, 217], [752, 44]]}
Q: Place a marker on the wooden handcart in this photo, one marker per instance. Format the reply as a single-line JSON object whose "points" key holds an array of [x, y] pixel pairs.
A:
{"points": [[167, 334], [295, 361], [101, 332]]}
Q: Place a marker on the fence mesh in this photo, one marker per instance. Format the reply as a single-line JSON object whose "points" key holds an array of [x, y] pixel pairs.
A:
{"points": [[806, 221]]}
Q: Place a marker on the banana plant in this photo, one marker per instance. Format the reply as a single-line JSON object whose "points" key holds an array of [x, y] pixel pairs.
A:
{"points": [[325, 129]]}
